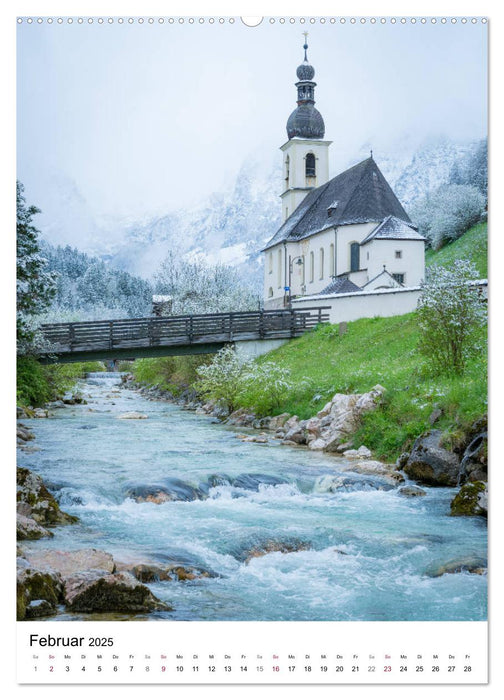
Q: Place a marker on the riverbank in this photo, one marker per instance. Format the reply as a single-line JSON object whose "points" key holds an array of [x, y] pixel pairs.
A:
{"points": [[263, 531], [434, 459]]}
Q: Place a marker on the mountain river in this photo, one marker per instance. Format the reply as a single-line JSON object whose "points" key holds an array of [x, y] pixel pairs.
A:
{"points": [[360, 552]]}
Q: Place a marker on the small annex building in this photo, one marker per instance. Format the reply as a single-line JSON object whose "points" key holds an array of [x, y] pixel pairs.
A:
{"points": [[338, 236]]}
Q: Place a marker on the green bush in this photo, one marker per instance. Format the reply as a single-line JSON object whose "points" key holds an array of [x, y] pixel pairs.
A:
{"points": [[37, 384], [169, 373]]}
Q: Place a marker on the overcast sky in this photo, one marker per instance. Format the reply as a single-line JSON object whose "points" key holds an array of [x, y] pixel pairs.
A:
{"points": [[146, 118]]}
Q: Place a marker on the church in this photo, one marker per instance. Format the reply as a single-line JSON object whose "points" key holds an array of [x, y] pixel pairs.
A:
{"points": [[340, 236]]}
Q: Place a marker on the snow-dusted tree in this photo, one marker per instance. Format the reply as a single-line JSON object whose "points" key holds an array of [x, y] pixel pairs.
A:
{"points": [[450, 314], [35, 285], [447, 213], [472, 169], [222, 379], [196, 287]]}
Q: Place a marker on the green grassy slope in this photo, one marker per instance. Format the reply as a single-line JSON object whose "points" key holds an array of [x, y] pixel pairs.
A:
{"points": [[380, 351], [473, 246]]}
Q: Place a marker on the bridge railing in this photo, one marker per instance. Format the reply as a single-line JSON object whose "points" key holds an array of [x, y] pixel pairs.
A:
{"points": [[182, 330]]}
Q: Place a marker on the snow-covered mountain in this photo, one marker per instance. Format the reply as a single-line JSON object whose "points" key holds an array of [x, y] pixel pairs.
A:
{"points": [[232, 226]]}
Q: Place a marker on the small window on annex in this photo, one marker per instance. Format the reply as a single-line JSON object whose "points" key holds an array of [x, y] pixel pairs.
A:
{"points": [[399, 277], [398, 253]]}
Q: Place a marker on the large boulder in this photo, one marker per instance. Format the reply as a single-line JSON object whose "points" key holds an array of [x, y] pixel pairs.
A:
{"points": [[38, 592], [170, 489], [28, 529], [430, 463], [339, 419], [472, 499], [39, 503], [95, 591], [68, 563]]}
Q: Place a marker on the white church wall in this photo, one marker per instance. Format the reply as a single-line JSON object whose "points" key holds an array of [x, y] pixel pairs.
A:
{"points": [[347, 235], [411, 262], [355, 305]]}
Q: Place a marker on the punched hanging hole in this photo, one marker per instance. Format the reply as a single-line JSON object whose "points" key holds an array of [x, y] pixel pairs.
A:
{"points": [[251, 21]]}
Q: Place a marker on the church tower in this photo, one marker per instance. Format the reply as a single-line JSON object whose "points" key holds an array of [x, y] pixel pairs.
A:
{"points": [[306, 157]]}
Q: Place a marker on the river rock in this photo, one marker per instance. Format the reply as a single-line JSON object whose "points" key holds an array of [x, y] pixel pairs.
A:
{"points": [[402, 460], [412, 491], [94, 591], [149, 573], [430, 463], [252, 482], [473, 466], [269, 546], [28, 529], [34, 586], [40, 413], [133, 415], [218, 480], [43, 507], [362, 453], [373, 467], [23, 434], [261, 439], [69, 563], [348, 482], [472, 499], [469, 564], [169, 489], [241, 418], [279, 421]]}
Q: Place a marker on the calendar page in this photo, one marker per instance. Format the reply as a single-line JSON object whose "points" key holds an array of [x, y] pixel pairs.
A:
{"points": [[251, 349]]}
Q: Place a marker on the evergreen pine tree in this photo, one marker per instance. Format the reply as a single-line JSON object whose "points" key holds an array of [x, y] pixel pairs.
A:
{"points": [[35, 285]]}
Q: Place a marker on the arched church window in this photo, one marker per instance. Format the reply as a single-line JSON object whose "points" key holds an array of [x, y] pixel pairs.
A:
{"points": [[310, 165], [279, 268], [321, 261], [354, 257], [331, 260], [270, 263], [270, 292], [312, 266]]}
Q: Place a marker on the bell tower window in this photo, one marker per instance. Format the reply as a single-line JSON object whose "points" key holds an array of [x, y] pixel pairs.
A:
{"points": [[287, 171], [310, 165]]}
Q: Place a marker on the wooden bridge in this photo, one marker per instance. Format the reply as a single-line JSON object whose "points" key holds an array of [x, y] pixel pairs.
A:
{"points": [[132, 338]]}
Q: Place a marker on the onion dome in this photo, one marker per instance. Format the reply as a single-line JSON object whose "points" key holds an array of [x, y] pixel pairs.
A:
{"points": [[305, 122], [305, 71]]}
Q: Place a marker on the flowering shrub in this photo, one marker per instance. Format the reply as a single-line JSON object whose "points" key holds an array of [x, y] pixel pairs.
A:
{"points": [[451, 313]]}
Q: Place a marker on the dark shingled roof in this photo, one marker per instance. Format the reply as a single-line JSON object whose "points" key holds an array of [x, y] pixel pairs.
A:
{"points": [[341, 285], [362, 194], [394, 228]]}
